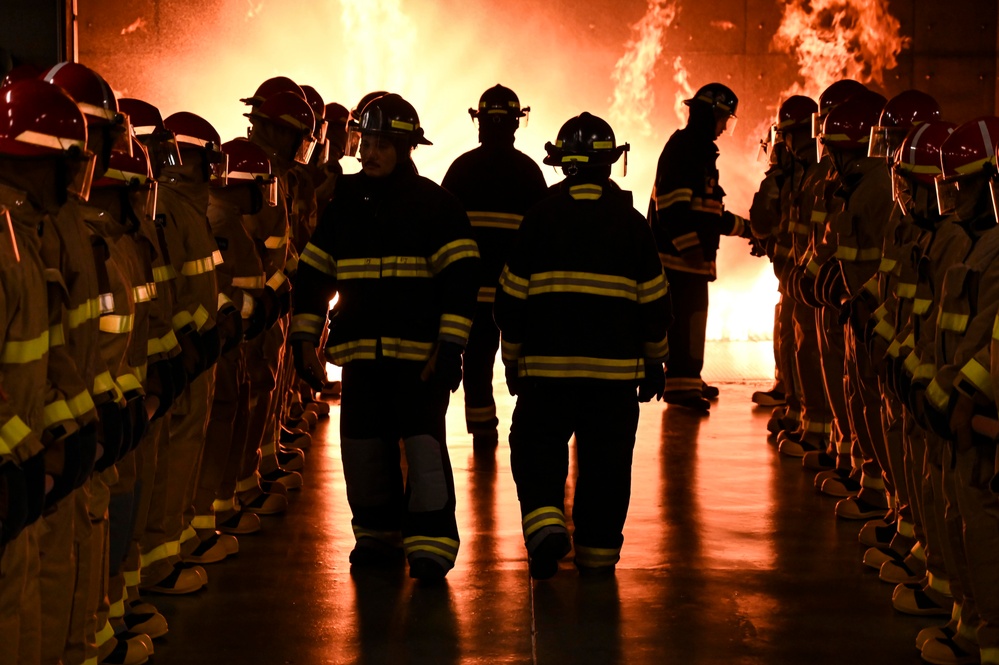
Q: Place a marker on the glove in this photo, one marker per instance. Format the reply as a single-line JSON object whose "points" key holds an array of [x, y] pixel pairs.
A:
{"points": [[110, 434], [137, 417], [443, 369], [62, 463], [272, 307], [159, 385], [307, 364], [654, 383], [230, 326], [192, 351], [513, 382], [212, 343]]}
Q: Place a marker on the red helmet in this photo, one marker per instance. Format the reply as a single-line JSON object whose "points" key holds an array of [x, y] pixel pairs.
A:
{"points": [[194, 132], [848, 125], [353, 136], [318, 106], [271, 87], [833, 96], [95, 98], [131, 170], [287, 110], [967, 152], [21, 73], [899, 115], [796, 111], [248, 163], [918, 159], [148, 126], [37, 120]]}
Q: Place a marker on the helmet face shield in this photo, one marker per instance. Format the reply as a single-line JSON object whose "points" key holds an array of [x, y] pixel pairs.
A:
{"points": [[881, 142], [948, 194], [817, 119], [122, 134], [353, 141], [304, 151], [218, 166], [163, 151], [80, 174], [901, 191], [321, 155]]}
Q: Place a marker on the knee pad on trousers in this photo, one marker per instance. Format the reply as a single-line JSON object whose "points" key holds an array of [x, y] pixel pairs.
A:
{"points": [[427, 481], [365, 470]]}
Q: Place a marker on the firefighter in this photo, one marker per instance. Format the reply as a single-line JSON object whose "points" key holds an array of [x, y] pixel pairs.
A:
{"points": [[43, 161], [583, 307], [497, 184], [688, 218], [398, 250]]}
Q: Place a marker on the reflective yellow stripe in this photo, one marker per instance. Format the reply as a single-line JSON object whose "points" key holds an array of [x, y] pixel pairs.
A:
{"points": [[82, 313], [106, 303], [541, 517], [586, 192], [318, 259], [455, 328], [686, 241], [656, 350], [57, 336], [16, 353], [198, 267], [817, 427], [885, 330], [676, 196], [141, 293], [443, 547], [255, 282], [163, 274], [937, 396], [952, 321], [80, 404], [362, 349], [678, 264], [924, 371], [369, 268], [597, 557], [223, 505], [103, 383], [852, 254], [709, 206], [405, 349], [652, 290], [480, 414], [104, 634], [203, 522], [200, 317], [291, 265], [894, 349], [164, 551], [486, 294], [911, 363], [938, 584], [276, 242], [405, 266], [881, 313], [979, 376], [224, 300], [463, 248], [582, 367], [905, 290], [513, 285], [181, 320], [510, 351], [12, 434], [132, 578], [277, 280], [129, 383], [253, 482], [818, 217], [995, 328], [116, 324], [921, 305], [56, 412], [310, 324], [249, 305], [117, 609], [559, 281], [887, 265], [217, 258], [494, 220], [801, 229], [812, 268]]}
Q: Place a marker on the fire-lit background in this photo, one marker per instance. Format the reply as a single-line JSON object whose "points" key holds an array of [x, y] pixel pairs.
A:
{"points": [[629, 61]]}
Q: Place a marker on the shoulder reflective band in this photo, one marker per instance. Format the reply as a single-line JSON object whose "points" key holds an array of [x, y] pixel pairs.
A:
{"points": [[463, 248], [513, 285], [494, 220], [670, 198], [17, 353]]}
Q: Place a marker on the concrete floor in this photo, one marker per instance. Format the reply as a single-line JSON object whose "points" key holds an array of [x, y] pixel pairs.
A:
{"points": [[730, 556]]}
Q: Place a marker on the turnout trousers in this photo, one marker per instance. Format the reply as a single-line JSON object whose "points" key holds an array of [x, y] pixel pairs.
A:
{"points": [[689, 292]]}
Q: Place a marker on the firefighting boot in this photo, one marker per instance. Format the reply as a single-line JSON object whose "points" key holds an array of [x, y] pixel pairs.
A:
{"points": [[290, 459], [875, 557], [920, 600], [331, 390], [543, 561], [772, 397], [688, 399], [211, 550], [818, 460], [860, 507], [799, 446], [181, 581], [374, 553], [279, 480], [776, 425], [262, 503], [709, 392], [237, 522], [321, 409], [426, 569], [296, 438], [878, 533], [485, 442], [956, 650], [906, 570], [946, 631], [152, 623], [123, 651]]}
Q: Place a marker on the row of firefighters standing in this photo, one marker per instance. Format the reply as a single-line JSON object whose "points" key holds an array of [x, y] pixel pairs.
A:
{"points": [[885, 245]]}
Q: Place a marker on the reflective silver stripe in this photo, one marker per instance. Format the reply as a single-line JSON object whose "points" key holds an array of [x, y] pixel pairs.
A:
{"points": [[582, 367], [405, 349], [276, 242], [141, 293], [583, 282], [463, 248], [255, 282], [513, 285], [495, 220], [198, 267]]}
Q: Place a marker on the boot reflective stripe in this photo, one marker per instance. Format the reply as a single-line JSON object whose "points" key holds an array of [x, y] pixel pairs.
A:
{"points": [[447, 548], [113, 324], [872, 482], [938, 584], [203, 522], [405, 349], [582, 367], [540, 523], [906, 529], [187, 534], [969, 633], [132, 577], [427, 478], [223, 505], [480, 414], [104, 634], [494, 220], [989, 656], [250, 483], [597, 557], [513, 285], [487, 294], [81, 404], [393, 538], [463, 248], [674, 384], [117, 609], [454, 328], [164, 551], [55, 412], [844, 445]]}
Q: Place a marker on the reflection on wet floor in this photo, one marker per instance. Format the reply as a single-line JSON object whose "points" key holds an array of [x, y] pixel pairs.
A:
{"points": [[730, 556]]}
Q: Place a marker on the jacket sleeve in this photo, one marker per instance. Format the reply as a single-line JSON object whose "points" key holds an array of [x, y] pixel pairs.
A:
{"points": [[315, 283], [510, 308], [455, 266], [654, 304], [17, 440], [672, 210]]}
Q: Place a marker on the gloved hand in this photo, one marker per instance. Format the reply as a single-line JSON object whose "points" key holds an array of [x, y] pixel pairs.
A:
{"points": [[443, 369], [257, 322], [513, 382], [654, 383], [307, 364], [212, 343], [110, 433], [192, 351], [62, 463], [229, 323]]}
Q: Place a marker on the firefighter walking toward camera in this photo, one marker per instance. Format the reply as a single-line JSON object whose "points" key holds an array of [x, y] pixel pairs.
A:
{"points": [[583, 307], [688, 218], [398, 250], [497, 184]]}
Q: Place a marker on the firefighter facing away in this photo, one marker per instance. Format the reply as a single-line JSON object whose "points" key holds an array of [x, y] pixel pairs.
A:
{"points": [[688, 218], [584, 308], [496, 183], [398, 250]]}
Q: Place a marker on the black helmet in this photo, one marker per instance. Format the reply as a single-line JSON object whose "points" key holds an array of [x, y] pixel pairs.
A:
{"points": [[391, 115], [585, 139], [717, 97], [353, 136], [498, 101]]}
